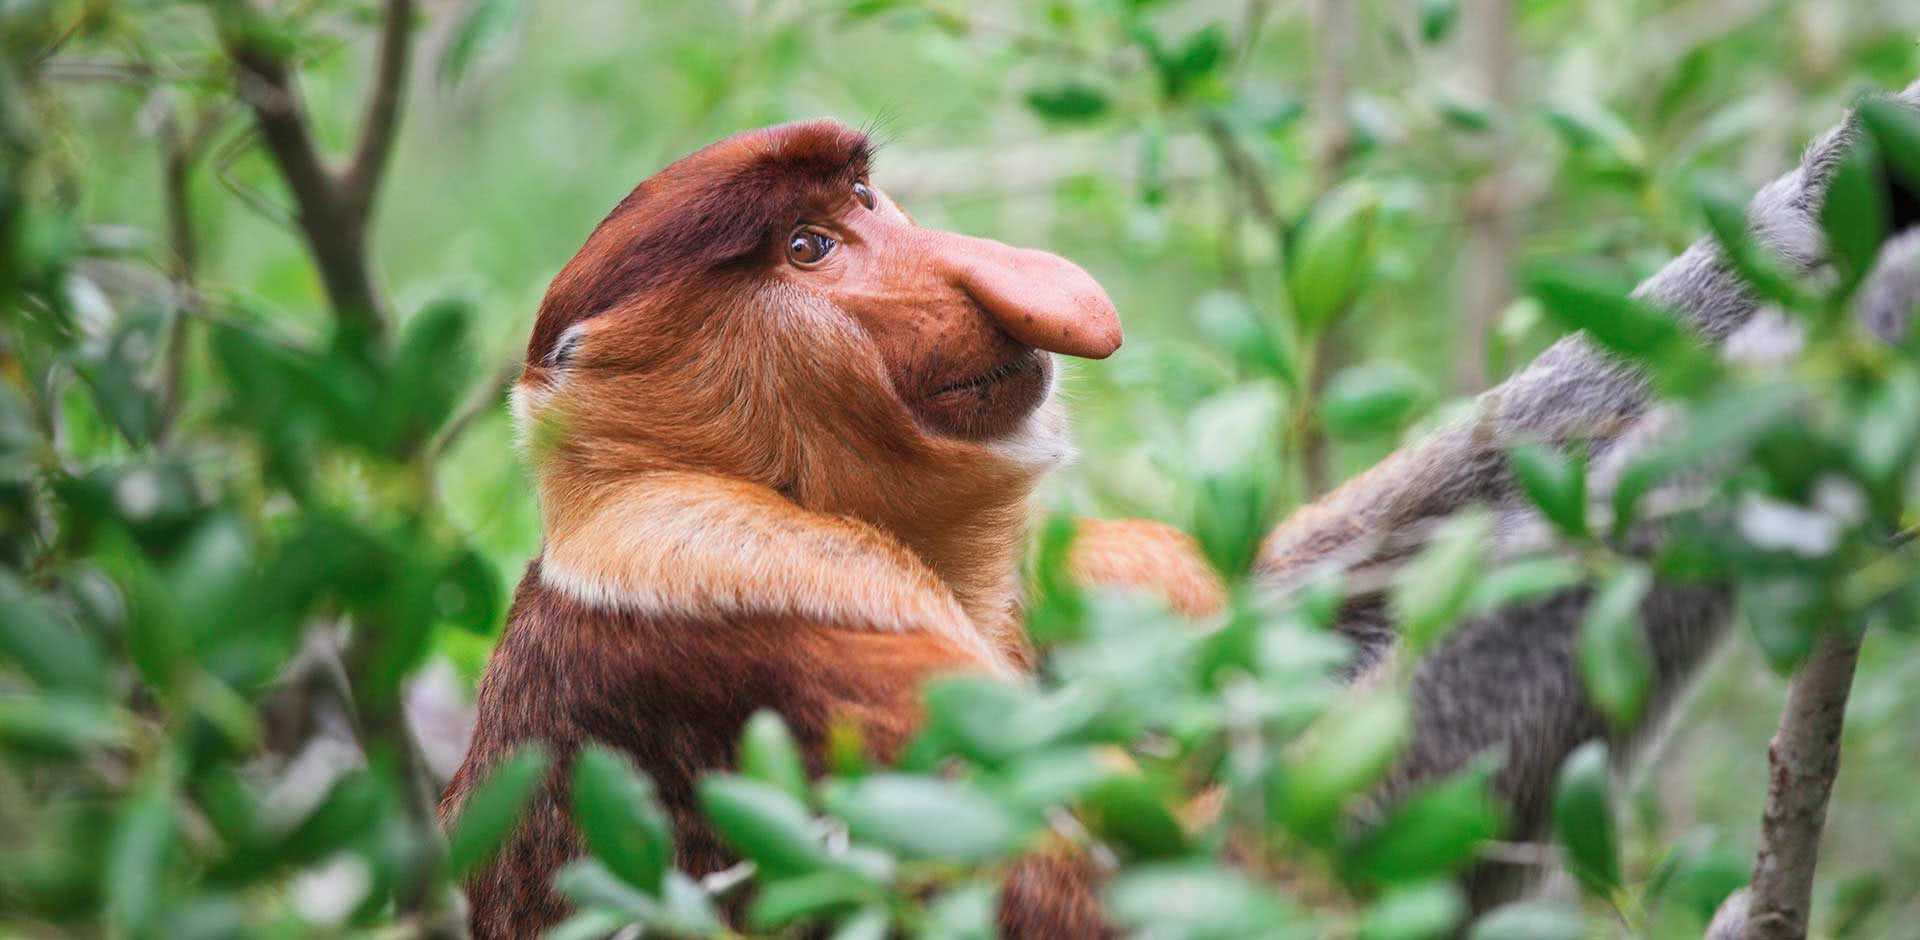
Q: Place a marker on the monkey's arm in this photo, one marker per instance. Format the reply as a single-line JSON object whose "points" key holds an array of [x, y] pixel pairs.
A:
{"points": [[1507, 680], [1151, 557]]}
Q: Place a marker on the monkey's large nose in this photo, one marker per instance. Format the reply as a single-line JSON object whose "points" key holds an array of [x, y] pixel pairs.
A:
{"points": [[1040, 299]]}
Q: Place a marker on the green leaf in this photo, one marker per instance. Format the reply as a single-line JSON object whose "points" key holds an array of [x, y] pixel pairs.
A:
{"points": [[1130, 811], [621, 818], [1426, 911], [469, 593], [1371, 399], [765, 824], [1069, 102], [1179, 899], [481, 27], [925, 817], [769, 754], [1895, 127], [1182, 70], [1523, 581], [1432, 591], [1599, 307], [430, 371], [1039, 782], [684, 910], [1432, 833], [1583, 818], [136, 865], [1331, 257], [1556, 483], [1615, 664], [1228, 321], [1348, 750], [492, 810], [1437, 18], [61, 726], [588, 925], [963, 913], [1785, 614], [1530, 920], [1580, 300], [1764, 271], [807, 897], [868, 924], [1600, 139], [113, 372], [1466, 112], [592, 887], [58, 654], [1855, 215]]}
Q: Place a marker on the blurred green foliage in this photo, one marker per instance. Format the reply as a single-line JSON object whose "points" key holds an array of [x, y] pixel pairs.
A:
{"points": [[232, 531]]}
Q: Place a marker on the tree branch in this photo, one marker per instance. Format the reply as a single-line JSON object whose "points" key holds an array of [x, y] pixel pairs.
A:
{"points": [[482, 400], [384, 98], [180, 149], [1487, 283], [1802, 762], [331, 217]]}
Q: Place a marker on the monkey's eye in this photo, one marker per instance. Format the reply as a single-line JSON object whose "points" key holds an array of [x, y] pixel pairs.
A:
{"points": [[807, 247], [862, 193]]}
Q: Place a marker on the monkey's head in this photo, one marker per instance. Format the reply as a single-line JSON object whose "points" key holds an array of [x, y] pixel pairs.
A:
{"points": [[761, 310]]}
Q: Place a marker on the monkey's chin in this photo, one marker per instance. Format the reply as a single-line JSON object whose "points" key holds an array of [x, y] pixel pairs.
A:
{"points": [[992, 404]]}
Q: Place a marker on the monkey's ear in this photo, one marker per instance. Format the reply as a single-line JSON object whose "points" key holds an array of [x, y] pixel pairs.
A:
{"points": [[565, 348]]}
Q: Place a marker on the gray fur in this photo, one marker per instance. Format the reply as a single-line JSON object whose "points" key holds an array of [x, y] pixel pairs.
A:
{"points": [[1506, 682]]}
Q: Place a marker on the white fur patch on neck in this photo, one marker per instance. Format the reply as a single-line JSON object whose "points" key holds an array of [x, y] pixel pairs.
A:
{"points": [[702, 547]]}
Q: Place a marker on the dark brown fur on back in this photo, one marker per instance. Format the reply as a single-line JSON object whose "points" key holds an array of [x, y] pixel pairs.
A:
{"points": [[672, 696]]}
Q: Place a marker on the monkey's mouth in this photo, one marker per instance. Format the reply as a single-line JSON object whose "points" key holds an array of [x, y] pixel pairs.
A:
{"points": [[988, 403]]}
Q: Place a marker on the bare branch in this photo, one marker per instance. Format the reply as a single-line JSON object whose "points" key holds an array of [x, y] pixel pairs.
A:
{"points": [[1803, 760], [333, 224], [179, 149], [482, 400], [1487, 283], [1244, 169], [384, 98]]}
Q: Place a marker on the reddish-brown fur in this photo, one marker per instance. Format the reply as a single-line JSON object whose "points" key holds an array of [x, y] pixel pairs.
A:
{"points": [[785, 485]]}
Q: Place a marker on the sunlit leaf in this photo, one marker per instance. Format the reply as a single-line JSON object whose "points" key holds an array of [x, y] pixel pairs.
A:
{"points": [[764, 823], [1530, 920], [769, 754], [1425, 911], [925, 817], [806, 897], [1331, 257]]}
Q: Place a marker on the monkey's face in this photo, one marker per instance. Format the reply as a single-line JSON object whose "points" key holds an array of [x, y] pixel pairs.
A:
{"points": [[758, 310], [962, 325]]}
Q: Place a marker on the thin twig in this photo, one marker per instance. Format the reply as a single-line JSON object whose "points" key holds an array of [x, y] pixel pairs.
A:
{"points": [[1243, 168], [1802, 762], [384, 98], [178, 153], [482, 400]]}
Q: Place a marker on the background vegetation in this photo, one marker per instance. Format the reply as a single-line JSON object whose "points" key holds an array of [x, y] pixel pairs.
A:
{"points": [[233, 528]]}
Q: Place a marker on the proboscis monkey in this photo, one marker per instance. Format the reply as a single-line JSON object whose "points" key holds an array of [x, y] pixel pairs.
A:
{"points": [[784, 440]]}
